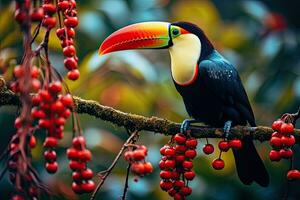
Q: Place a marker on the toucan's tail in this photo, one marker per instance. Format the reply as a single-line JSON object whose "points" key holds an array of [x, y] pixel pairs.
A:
{"points": [[249, 165]]}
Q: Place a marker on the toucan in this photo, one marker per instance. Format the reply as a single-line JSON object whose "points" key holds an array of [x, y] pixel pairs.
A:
{"points": [[210, 85]]}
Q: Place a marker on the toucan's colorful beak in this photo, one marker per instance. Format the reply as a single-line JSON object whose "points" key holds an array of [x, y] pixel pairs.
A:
{"points": [[146, 35]]}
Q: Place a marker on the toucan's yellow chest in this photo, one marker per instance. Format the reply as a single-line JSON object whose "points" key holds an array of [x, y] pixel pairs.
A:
{"points": [[185, 53]]}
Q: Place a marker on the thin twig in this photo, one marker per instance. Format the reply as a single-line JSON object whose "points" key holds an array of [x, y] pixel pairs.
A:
{"points": [[111, 167], [126, 182]]}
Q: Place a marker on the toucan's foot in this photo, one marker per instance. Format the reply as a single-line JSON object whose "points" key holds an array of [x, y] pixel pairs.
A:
{"points": [[227, 127], [186, 124]]}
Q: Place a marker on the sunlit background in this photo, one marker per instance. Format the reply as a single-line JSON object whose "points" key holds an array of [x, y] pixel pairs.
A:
{"points": [[261, 38]]}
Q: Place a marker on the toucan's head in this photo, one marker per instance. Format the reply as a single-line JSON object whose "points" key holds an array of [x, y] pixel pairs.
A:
{"points": [[186, 42], [154, 35]]}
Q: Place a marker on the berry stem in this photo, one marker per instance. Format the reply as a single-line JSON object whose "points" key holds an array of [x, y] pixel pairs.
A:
{"points": [[111, 167], [126, 182]]}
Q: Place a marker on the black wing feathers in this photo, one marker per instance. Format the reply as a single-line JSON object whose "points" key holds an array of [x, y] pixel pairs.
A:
{"points": [[223, 81]]}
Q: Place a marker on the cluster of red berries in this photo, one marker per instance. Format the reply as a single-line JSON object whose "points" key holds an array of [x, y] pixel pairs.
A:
{"points": [[66, 35], [224, 146], [176, 165], [21, 12], [19, 85], [281, 141], [49, 9], [82, 176], [136, 157], [51, 110], [15, 161]]}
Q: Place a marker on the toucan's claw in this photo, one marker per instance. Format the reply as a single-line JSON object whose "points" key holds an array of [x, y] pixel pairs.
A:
{"points": [[227, 127], [185, 125]]}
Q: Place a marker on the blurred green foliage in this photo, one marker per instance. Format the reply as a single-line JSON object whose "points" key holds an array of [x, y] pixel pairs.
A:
{"points": [[263, 45]]}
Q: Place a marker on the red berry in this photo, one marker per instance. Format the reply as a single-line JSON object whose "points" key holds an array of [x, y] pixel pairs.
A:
{"points": [[148, 168], [208, 149], [50, 156], [44, 123], [78, 142], [180, 149], [286, 153], [180, 138], [276, 134], [70, 63], [85, 155], [293, 174], [190, 153], [45, 95], [58, 107], [175, 175], [165, 185], [76, 176], [55, 87], [51, 167], [71, 22], [35, 84], [138, 168], [50, 142], [72, 153], [179, 158], [18, 123], [17, 197], [49, 8], [191, 143], [162, 164], [190, 175], [32, 141], [37, 15], [177, 196], [73, 75], [67, 100], [63, 5], [20, 16], [236, 144], [186, 191], [66, 42], [36, 100], [169, 164], [172, 192], [49, 22], [77, 188], [276, 142], [178, 184], [288, 140], [276, 126], [66, 114], [88, 186], [287, 128], [69, 51], [218, 164], [75, 165], [165, 174], [170, 152], [274, 155], [60, 121], [187, 164], [18, 71], [138, 155], [223, 145], [38, 114], [87, 174], [128, 155], [144, 149]]}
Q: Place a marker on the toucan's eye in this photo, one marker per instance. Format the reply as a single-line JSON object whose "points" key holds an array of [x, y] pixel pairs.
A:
{"points": [[175, 32]]}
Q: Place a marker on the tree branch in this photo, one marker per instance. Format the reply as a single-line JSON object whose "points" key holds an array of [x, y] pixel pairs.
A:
{"points": [[152, 124]]}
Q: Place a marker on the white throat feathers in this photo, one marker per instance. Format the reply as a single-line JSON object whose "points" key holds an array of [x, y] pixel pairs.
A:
{"points": [[185, 53]]}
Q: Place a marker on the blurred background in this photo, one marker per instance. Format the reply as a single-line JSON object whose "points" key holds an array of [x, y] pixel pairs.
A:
{"points": [[261, 38]]}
